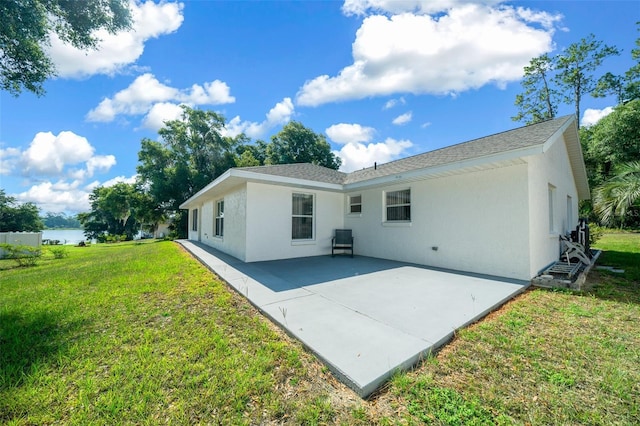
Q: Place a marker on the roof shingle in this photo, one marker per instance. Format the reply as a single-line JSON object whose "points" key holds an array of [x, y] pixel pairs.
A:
{"points": [[522, 137]]}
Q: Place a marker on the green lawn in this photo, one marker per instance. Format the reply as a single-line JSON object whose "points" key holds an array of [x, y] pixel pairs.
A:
{"points": [[141, 333]]}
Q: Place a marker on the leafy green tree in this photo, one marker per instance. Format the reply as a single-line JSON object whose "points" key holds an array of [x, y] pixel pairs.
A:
{"points": [[625, 87], [16, 217], [296, 143], [247, 160], [115, 210], [28, 24], [256, 155], [60, 220], [615, 139], [617, 196], [539, 101], [576, 66], [564, 78], [190, 155]]}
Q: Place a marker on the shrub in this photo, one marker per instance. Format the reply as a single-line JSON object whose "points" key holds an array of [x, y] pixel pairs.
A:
{"points": [[23, 255], [595, 232], [59, 252]]}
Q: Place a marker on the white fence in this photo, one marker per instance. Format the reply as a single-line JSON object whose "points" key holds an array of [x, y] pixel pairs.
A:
{"points": [[33, 239]]}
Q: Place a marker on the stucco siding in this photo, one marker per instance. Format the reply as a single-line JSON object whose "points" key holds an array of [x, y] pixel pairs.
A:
{"points": [[478, 221], [269, 216], [550, 219], [234, 239]]}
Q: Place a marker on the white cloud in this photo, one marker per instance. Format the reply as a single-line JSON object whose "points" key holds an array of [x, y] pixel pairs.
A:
{"points": [[466, 48], [425, 125], [116, 51], [214, 93], [393, 102], [344, 133], [403, 119], [8, 159], [120, 179], [48, 154], [63, 155], [100, 163], [356, 156], [280, 114], [57, 197], [161, 112], [362, 7], [592, 116], [147, 95], [66, 196]]}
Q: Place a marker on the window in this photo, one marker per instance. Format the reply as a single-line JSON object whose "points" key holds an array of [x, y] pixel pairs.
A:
{"points": [[194, 220], [552, 196], [398, 205], [355, 204], [569, 213], [220, 218], [302, 217]]}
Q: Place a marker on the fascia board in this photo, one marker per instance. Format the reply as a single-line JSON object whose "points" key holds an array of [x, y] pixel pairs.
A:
{"points": [[426, 172], [284, 180], [260, 177], [206, 189]]}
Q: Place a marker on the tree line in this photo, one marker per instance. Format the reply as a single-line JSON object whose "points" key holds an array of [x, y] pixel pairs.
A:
{"points": [[611, 147], [190, 153]]}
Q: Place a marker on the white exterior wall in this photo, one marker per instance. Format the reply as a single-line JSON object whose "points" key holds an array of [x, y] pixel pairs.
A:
{"points": [[550, 168], [478, 221], [234, 240], [269, 210]]}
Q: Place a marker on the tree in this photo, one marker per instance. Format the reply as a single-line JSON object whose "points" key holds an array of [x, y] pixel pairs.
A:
{"points": [[251, 154], [575, 68], [115, 210], [539, 102], [60, 220], [565, 78], [614, 198], [15, 217], [191, 154], [615, 139], [298, 144], [27, 26], [625, 87]]}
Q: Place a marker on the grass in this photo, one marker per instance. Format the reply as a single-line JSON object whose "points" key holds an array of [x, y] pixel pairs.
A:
{"points": [[141, 333]]}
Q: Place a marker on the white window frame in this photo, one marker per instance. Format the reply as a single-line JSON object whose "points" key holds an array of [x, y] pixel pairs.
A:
{"points": [[194, 220], [219, 219], [355, 201], [552, 208], [570, 220], [295, 215], [387, 206]]}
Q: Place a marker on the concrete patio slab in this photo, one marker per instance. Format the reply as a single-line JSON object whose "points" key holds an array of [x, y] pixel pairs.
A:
{"points": [[366, 318]]}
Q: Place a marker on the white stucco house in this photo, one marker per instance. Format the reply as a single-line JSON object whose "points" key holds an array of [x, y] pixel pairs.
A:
{"points": [[494, 205]]}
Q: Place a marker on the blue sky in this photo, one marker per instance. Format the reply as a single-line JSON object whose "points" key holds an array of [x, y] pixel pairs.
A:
{"points": [[381, 79]]}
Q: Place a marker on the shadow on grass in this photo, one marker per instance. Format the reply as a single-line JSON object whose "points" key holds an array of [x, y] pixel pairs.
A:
{"points": [[29, 343], [620, 287]]}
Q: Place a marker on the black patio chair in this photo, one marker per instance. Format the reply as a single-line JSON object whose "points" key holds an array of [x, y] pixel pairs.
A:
{"points": [[343, 240]]}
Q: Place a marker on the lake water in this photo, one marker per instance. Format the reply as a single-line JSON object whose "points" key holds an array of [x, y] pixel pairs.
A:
{"points": [[65, 236]]}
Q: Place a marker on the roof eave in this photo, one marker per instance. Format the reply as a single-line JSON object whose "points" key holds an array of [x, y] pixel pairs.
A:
{"points": [[426, 172], [247, 176]]}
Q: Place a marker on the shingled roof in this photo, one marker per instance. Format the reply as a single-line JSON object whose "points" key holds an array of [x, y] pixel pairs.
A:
{"points": [[305, 171], [523, 137], [489, 146]]}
